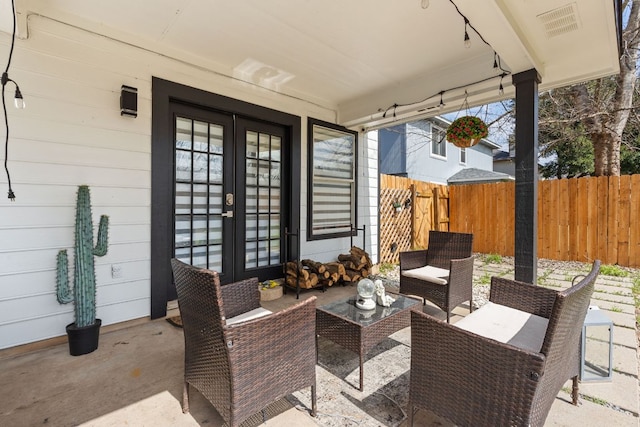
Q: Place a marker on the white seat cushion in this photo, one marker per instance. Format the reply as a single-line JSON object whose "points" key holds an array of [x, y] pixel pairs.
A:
{"points": [[249, 315], [507, 325], [429, 273]]}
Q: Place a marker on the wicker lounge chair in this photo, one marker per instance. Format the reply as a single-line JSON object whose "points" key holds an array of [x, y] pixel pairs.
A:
{"points": [[242, 366], [443, 273], [498, 379]]}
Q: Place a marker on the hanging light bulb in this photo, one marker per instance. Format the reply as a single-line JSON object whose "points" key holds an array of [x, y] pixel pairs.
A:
{"points": [[441, 105], [425, 4], [495, 61], [467, 40], [18, 100], [501, 88]]}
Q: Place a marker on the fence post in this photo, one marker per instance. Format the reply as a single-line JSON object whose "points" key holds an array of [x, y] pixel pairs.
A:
{"points": [[436, 208], [414, 228]]}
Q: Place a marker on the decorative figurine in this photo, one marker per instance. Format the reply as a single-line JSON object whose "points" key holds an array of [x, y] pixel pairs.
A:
{"points": [[381, 297]]}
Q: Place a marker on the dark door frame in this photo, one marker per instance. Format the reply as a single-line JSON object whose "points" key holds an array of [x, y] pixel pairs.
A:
{"points": [[164, 93]]}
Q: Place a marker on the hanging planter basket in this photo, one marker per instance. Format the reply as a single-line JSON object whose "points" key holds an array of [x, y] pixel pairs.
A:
{"points": [[466, 131]]}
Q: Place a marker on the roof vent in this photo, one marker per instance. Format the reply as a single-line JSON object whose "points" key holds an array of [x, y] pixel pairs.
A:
{"points": [[561, 20]]}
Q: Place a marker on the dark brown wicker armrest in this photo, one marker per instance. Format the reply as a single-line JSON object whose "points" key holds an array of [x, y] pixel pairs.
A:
{"points": [[413, 259], [522, 296], [467, 376], [461, 272], [276, 353], [240, 297]]}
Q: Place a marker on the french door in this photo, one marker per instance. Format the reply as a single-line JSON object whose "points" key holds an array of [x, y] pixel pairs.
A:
{"points": [[228, 193]]}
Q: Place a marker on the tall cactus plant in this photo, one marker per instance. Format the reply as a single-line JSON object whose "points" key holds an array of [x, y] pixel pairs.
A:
{"points": [[84, 283]]}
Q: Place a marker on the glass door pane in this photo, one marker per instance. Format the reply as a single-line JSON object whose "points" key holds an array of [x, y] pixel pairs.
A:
{"points": [[262, 199], [199, 191]]}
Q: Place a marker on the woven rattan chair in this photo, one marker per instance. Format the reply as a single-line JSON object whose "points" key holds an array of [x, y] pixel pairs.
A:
{"points": [[243, 367], [443, 273], [476, 380]]}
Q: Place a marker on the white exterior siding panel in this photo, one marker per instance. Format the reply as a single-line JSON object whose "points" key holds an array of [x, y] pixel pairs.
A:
{"points": [[71, 133]]}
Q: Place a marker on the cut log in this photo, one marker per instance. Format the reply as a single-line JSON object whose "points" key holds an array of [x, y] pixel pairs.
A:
{"points": [[336, 270], [309, 283], [292, 270], [316, 267], [352, 276], [356, 261], [326, 282], [363, 255]]}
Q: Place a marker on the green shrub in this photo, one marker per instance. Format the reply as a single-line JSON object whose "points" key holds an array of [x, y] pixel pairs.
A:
{"points": [[613, 270], [386, 267], [493, 259]]}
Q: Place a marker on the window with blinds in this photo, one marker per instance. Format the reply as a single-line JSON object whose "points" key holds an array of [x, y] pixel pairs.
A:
{"points": [[332, 180]]}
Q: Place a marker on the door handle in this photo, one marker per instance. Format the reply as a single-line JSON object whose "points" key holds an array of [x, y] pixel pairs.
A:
{"points": [[227, 214]]}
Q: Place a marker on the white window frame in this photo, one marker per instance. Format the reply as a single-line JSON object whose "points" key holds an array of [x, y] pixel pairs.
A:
{"points": [[438, 139], [463, 153]]}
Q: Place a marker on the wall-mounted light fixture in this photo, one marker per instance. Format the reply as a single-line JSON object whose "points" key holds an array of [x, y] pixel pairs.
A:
{"points": [[129, 101]]}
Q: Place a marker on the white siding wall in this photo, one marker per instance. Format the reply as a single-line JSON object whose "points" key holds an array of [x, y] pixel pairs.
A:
{"points": [[72, 133]]}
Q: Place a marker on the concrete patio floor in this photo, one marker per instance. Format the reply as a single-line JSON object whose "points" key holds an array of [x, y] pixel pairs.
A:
{"points": [[135, 376]]}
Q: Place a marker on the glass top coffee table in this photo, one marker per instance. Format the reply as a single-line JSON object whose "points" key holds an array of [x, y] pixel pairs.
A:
{"points": [[360, 330]]}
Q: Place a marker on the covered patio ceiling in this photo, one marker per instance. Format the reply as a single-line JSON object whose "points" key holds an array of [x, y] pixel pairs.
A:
{"points": [[360, 57]]}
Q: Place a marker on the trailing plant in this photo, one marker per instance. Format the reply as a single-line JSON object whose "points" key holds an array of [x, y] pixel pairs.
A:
{"points": [[84, 281]]}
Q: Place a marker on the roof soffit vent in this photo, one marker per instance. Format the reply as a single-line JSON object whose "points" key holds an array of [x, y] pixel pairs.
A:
{"points": [[560, 21]]}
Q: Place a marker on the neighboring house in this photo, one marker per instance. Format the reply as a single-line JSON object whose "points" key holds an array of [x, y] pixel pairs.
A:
{"points": [[253, 130], [419, 150], [504, 162]]}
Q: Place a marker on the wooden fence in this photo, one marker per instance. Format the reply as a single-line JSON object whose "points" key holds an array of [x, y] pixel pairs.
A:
{"points": [[579, 219], [423, 207]]}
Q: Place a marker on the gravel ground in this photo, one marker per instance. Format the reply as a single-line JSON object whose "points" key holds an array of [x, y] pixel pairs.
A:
{"points": [[391, 277]]}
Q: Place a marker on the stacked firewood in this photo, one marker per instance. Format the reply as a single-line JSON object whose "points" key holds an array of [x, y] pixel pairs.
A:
{"points": [[309, 274], [299, 275], [357, 264]]}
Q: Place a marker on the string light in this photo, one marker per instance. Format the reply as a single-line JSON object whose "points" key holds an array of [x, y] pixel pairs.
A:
{"points": [[467, 40], [19, 102], [425, 4]]}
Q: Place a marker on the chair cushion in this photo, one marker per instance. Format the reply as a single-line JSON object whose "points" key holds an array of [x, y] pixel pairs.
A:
{"points": [[429, 273], [507, 325], [249, 315]]}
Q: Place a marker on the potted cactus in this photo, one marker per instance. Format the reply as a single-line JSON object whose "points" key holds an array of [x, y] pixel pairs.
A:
{"points": [[84, 332]]}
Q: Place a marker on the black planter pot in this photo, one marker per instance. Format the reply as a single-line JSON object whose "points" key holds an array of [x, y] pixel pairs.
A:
{"points": [[83, 340]]}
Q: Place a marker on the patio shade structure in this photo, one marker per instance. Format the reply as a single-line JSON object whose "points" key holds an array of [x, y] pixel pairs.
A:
{"points": [[376, 62], [267, 66]]}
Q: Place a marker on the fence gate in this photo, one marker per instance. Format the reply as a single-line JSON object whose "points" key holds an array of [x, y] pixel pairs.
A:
{"points": [[406, 229]]}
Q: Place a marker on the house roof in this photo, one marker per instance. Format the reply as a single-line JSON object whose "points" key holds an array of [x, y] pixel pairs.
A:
{"points": [[477, 176], [500, 155], [368, 62]]}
